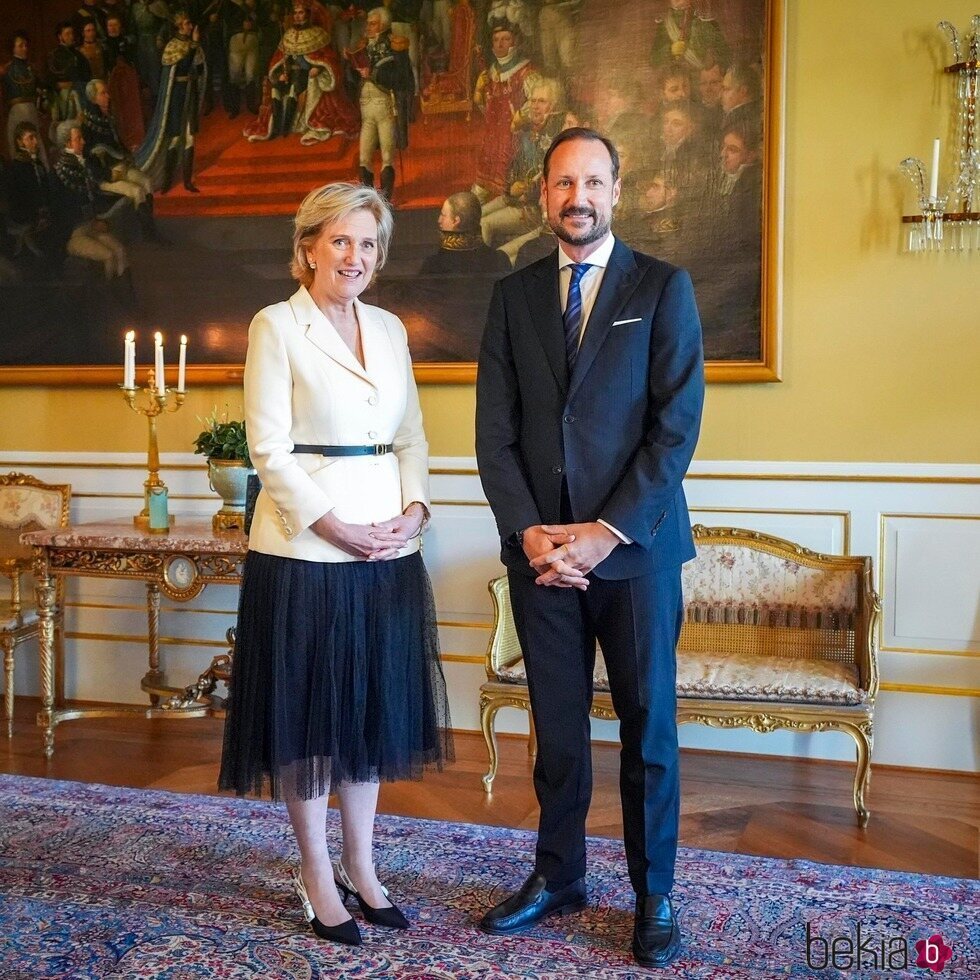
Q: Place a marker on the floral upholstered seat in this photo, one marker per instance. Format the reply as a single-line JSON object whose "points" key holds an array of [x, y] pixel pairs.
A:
{"points": [[774, 636]]}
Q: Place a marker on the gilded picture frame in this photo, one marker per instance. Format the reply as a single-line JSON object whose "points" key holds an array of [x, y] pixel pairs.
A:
{"points": [[181, 286]]}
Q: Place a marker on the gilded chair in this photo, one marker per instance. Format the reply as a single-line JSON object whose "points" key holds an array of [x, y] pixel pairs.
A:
{"points": [[26, 504]]}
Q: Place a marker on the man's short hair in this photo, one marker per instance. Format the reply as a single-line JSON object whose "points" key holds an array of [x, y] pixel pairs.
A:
{"points": [[21, 128], [583, 133], [465, 205], [61, 25], [553, 86], [747, 77], [750, 135], [384, 14], [92, 86], [19, 36], [63, 132]]}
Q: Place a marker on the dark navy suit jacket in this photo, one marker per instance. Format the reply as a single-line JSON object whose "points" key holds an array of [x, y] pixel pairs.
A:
{"points": [[620, 431]]}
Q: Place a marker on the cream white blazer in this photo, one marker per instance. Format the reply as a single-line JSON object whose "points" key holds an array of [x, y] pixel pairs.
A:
{"points": [[303, 385]]}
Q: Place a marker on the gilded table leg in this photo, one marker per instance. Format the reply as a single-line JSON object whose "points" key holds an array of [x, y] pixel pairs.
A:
{"points": [[154, 675], [8, 668], [46, 598]]}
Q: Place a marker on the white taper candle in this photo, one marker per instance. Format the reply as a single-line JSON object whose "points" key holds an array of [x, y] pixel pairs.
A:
{"points": [[182, 364]]}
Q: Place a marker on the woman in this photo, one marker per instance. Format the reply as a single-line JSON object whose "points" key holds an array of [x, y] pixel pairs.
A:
{"points": [[336, 681]]}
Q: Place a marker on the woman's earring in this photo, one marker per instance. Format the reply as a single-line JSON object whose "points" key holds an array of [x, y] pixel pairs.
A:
{"points": [[312, 265]]}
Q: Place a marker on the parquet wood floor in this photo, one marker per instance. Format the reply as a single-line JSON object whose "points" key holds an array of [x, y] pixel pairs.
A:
{"points": [[922, 821]]}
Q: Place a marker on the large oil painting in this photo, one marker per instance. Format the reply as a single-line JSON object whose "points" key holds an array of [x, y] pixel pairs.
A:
{"points": [[153, 154]]}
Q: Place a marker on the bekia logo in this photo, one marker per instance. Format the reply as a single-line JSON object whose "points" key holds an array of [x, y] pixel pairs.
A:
{"points": [[933, 953], [865, 949]]}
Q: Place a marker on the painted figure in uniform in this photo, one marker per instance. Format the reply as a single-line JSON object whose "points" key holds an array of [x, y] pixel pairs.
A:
{"points": [[387, 86], [501, 92], [304, 91], [21, 90], [170, 135], [686, 37]]}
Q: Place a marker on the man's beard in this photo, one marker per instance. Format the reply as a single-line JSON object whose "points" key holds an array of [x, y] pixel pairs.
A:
{"points": [[598, 232]]}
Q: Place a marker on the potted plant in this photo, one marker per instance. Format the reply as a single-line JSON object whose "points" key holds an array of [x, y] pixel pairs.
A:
{"points": [[225, 445]]}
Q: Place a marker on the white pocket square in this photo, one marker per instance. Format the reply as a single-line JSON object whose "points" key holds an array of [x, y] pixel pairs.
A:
{"points": [[635, 319]]}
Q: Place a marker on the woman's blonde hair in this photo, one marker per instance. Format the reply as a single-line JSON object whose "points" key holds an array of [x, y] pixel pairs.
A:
{"points": [[325, 206]]}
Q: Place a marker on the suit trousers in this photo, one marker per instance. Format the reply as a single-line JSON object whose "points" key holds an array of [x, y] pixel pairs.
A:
{"points": [[637, 622]]}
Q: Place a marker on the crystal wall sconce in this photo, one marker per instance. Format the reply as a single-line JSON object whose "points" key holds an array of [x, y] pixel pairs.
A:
{"points": [[934, 228]]}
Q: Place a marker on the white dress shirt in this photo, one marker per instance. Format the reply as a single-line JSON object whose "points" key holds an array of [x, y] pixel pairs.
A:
{"points": [[589, 284]]}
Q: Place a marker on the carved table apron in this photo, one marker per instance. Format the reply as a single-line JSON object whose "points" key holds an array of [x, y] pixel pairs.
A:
{"points": [[180, 563]]}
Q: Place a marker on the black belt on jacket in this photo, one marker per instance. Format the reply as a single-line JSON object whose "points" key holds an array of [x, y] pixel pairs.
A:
{"points": [[376, 450]]}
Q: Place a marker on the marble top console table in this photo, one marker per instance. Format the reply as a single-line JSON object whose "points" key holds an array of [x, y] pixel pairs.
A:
{"points": [[179, 563]]}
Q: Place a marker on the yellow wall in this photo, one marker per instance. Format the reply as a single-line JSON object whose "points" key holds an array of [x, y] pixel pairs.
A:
{"points": [[881, 351]]}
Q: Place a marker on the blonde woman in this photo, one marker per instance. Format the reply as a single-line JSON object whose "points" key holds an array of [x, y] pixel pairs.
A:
{"points": [[336, 683]]}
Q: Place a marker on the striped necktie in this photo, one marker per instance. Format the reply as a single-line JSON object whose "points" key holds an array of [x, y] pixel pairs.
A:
{"points": [[572, 317]]}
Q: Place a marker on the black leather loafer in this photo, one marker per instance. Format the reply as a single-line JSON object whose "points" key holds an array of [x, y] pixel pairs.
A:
{"points": [[532, 903], [656, 934]]}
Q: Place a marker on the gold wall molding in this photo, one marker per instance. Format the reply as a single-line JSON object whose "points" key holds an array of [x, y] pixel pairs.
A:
{"points": [[140, 638], [957, 692]]}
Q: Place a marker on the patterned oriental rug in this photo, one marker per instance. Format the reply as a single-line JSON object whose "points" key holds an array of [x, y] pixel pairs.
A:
{"points": [[98, 881]]}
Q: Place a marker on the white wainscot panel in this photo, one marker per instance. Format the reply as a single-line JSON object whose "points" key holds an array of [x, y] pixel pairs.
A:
{"points": [[827, 533], [462, 555], [931, 571], [930, 670]]}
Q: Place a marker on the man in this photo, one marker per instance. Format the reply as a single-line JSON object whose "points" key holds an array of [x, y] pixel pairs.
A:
{"points": [[89, 12], [93, 51], [21, 89], [30, 188], [463, 251], [681, 157], [740, 93], [387, 87], [500, 92], [515, 213], [683, 37], [710, 81], [242, 28], [111, 163], [81, 204], [305, 93], [124, 82], [586, 423], [173, 129], [68, 74]]}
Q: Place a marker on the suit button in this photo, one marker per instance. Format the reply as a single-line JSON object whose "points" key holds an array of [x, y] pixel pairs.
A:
{"points": [[373, 400], [569, 419], [557, 469]]}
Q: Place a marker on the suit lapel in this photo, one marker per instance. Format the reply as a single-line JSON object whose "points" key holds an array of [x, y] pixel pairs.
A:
{"points": [[375, 343], [541, 290], [618, 283], [321, 333]]}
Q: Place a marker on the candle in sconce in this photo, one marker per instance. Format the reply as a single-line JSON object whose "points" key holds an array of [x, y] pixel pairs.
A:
{"points": [[158, 364], [129, 360], [934, 176], [182, 365]]}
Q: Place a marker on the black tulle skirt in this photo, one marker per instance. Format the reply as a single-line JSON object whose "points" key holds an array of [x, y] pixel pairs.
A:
{"points": [[336, 677]]}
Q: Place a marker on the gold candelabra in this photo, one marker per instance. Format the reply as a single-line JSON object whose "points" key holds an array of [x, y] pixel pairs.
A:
{"points": [[155, 403]]}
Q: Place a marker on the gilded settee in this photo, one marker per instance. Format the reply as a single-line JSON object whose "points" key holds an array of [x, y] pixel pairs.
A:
{"points": [[775, 636]]}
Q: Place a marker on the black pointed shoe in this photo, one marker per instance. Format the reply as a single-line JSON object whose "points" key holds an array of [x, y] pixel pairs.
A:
{"points": [[532, 903], [391, 917], [656, 934], [344, 932]]}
